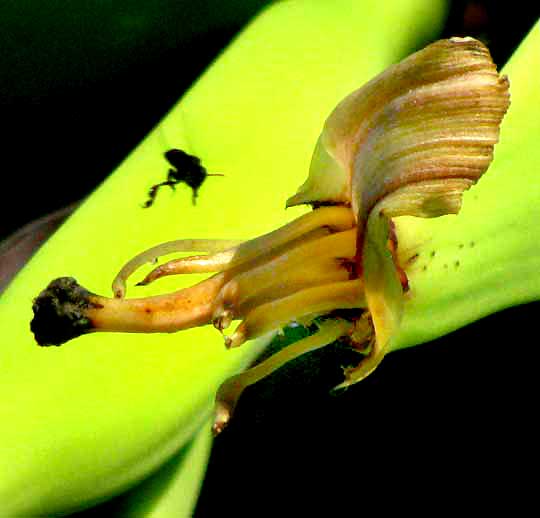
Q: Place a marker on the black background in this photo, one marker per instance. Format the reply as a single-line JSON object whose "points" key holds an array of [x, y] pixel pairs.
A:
{"points": [[451, 424]]}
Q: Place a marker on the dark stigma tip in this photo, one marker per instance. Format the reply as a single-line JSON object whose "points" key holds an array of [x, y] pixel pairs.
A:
{"points": [[59, 312]]}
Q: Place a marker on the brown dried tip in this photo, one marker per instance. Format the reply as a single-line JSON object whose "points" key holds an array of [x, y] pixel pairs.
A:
{"points": [[59, 312]]}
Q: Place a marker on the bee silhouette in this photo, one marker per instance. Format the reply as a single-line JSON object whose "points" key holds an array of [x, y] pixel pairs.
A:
{"points": [[186, 169]]}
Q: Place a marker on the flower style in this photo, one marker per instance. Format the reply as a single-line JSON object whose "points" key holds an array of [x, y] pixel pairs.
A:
{"points": [[409, 142]]}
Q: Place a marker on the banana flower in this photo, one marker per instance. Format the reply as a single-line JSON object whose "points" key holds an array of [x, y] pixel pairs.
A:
{"points": [[130, 403], [407, 143]]}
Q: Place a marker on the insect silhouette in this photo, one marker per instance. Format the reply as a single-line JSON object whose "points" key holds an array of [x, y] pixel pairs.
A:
{"points": [[186, 169]]}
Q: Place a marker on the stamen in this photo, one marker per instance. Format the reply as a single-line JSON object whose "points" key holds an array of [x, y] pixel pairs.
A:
{"points": [[230, 391], [311, 301], [335, 218], [304, 266], [170, 247], [220, 262]]}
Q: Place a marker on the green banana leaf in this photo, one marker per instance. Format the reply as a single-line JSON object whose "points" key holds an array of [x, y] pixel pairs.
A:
{"points": [[172, 491], [87, 421]]}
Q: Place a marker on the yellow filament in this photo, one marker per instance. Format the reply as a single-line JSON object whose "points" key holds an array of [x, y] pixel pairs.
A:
{"points": [[217, 263], [230, 391], [334, 218], [314, 263], [151, 254], [311, 301]]}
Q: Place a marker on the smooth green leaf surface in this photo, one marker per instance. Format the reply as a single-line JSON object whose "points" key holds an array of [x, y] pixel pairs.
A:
{"points": [[172, 491]]}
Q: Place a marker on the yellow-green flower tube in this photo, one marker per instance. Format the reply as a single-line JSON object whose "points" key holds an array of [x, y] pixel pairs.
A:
{"points": [[82, 423]]}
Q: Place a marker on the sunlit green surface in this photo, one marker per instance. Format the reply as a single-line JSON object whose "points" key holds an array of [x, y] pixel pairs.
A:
{"points": [[170, 492]]}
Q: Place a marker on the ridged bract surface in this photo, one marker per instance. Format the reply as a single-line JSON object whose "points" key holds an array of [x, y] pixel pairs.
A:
{"points": [[433, 116]]}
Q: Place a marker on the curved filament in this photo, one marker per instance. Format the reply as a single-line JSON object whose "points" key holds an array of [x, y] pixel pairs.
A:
{"points": [[230, 391], [170, 247]]}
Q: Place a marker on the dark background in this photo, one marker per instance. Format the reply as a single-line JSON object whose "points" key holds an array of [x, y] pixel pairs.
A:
{"points": [[451, 424]]}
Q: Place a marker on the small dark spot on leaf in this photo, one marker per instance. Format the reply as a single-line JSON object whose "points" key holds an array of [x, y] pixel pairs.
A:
{"points": [[456, 264]]}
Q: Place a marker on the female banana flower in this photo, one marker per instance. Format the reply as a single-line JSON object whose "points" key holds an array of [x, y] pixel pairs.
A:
{"points": [[408, 143]]}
